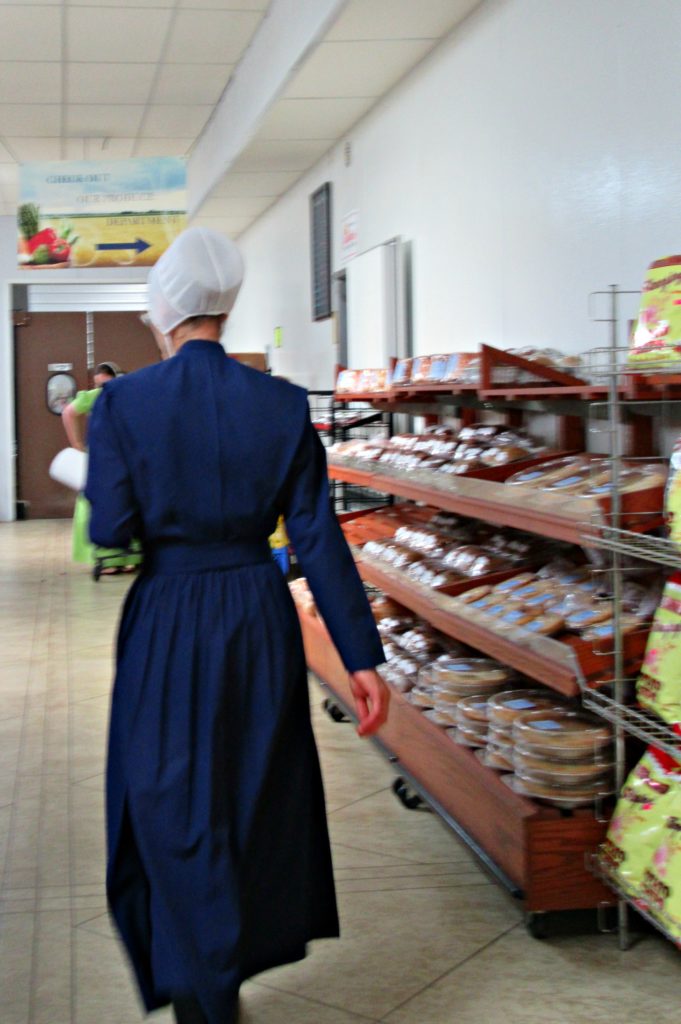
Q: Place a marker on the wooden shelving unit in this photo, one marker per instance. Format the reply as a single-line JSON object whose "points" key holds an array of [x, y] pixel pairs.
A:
{"points": [[539, 852]]}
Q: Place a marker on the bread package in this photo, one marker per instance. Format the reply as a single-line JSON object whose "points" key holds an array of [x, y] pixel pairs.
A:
{"points": [[504, 708]]}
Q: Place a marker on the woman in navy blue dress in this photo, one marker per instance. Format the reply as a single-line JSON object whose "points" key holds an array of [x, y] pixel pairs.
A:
{"points": [[218, 854]]}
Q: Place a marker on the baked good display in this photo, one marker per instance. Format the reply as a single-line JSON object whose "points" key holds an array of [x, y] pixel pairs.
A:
{"points": [[561, 733]]}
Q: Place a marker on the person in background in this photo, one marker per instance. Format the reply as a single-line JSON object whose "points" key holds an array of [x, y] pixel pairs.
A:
{"points": [[74, 418], [219, 863]]}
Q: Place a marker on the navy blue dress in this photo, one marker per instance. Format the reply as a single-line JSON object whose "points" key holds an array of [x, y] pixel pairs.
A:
{"points": [[218, 853]]}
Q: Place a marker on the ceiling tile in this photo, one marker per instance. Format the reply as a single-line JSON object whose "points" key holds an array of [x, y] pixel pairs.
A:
{"points": [[29, 120], [313, 119], [165, 122], [280, 156], [163, 147], [215, 37], [257, 183], [27, 149], [115, 34], [103, 119], [399, 19], [109, 83], [31, 32], [191, 83], [108, 148], [29, 81], [229, 206], [227, 5], [356, 69], [9, 174], [227, 225]]}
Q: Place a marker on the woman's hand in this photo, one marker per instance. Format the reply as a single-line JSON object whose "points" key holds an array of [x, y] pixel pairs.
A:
{"points": [[372, 698]]}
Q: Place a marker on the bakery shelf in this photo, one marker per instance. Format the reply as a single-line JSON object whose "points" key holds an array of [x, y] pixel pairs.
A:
{"points": [[635, 720], [563, 665], [539, 849], [601, 872], [489, 500]]}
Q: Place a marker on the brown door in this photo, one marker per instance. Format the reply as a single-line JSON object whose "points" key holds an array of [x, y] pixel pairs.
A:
{"points": [[46, 339], [123, 338]]}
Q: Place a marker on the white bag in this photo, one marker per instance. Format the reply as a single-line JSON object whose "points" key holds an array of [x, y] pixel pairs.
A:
{"points": [[69, 467]]}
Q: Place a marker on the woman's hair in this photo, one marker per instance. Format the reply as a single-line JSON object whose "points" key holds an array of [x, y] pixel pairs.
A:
{"points": [[112, 369]]}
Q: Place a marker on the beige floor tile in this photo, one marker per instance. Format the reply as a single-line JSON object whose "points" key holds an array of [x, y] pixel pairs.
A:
{"points": [[51, 982], [394, 945], [105, 993], [16, 942], [261, 1005], [580, 980], [412, 835]]}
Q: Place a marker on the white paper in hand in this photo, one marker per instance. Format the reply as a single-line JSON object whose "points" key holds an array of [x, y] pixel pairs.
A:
{"points": [[69, 467]]}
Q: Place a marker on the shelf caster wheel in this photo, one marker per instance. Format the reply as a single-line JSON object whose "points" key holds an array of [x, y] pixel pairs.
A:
{"points": [[96, 573], [406, 795], [537, 925], [335, 713]]}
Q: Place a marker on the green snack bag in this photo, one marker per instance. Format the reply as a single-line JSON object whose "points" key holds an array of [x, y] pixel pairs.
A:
{"points": [[662, 879], [657, 337], [659, 686], [637, 824]]}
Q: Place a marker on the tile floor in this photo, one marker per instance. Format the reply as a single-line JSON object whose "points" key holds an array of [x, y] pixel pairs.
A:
{"points": [[428, 939]]}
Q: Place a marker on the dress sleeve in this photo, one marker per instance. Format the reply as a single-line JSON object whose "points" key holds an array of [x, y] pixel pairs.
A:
{"points": [[325, 557], [115, 520]]}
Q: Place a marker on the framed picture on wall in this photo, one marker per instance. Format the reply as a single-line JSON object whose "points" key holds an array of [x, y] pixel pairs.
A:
{"points": [[320, 251]]}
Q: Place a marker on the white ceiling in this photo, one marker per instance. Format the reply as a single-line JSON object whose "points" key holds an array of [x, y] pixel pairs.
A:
{"points": [[120, 78]]}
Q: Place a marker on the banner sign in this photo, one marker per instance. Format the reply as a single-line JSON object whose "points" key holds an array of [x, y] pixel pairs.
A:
{"points": [[100, 213]]}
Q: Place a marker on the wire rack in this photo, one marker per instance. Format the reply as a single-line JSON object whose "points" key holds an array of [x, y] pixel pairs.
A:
{"points": [[643, 724], [660, 550]]}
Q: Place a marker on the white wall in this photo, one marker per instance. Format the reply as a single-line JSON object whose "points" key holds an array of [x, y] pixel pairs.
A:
{"points": [[531, 159]]}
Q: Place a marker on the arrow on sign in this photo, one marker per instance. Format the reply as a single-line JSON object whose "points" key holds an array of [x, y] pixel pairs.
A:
{"points": [[139, 244]]}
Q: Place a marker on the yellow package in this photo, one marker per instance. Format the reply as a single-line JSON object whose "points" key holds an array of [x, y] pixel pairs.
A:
{"points": [[661, 891], [657, 337], [636, 827], [659, 686]]}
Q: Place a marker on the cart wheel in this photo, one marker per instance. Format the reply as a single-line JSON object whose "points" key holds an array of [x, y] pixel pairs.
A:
{"points": [[335, 713], [97, 572], [537, 925], [407, 796]]}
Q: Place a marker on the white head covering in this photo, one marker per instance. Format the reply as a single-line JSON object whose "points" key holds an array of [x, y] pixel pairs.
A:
{"points": [[198, 275]]}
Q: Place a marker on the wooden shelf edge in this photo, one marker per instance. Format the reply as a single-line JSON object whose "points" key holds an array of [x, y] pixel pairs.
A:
{"points": [[544, 522]]}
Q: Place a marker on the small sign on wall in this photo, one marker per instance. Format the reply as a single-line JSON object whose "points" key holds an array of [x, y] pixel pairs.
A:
{"points": [[59, 367]]}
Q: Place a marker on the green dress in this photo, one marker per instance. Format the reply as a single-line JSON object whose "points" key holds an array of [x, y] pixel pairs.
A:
{"points": [[84, 551]]}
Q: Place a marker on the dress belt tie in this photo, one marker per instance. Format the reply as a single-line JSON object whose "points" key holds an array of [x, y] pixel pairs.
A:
{"points": [[169, 557]]}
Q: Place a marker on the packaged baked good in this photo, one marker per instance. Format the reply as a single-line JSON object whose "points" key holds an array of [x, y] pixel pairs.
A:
{"points": [[566, 797], [476, 594], [383, 607], [504, 708], [514, 582], [501, 455], [347, 381], [402, 373], [562, 774], [457, 363], [516, 617], [582, 480], [474, 709], [420, 369], [440, 717], [465, 737], [497, 757], [561, 733], [547, 624], [585, 618], [465, 677], [548, 472]]}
